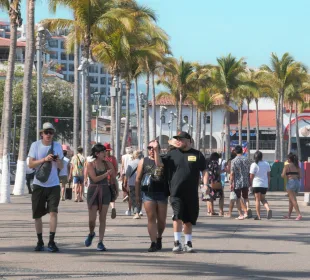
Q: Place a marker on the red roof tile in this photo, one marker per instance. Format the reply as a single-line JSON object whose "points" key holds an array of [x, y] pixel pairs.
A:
{"points": [[168, 101], [6, 43], [267, 118]]}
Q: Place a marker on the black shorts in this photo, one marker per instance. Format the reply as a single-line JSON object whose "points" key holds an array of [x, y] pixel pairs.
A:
{"points": [[243, 191], [260, 190], [216, 194], [185, 209], [44, 200]]}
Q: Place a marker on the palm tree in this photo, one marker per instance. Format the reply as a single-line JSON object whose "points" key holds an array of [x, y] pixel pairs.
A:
{"points": [[23, 144], [284, 71], [227, 81], [15, 21]]}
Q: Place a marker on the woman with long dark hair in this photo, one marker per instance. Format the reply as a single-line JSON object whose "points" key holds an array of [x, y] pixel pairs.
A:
{"points": [[99, 194], [154, 197], [260, 181], [293, 174]]}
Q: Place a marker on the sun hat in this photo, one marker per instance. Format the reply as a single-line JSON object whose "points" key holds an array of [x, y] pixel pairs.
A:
{"points": [[47, 126]]}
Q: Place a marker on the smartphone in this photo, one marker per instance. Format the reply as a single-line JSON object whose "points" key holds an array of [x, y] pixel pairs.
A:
{"points": [[55, 157]]}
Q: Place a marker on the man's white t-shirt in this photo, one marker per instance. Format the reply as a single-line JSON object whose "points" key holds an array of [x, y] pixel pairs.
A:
{"points": [[126, 158], [38, 151], [64, 171], [260, 171], [29, 170]]}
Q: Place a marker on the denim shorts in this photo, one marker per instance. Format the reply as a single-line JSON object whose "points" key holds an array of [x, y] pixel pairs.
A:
{"points": [[155, 197], [293, 185], [78, 179]]}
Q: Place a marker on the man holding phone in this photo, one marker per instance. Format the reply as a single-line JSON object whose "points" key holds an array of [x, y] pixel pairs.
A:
{"points": [[46, 195]]}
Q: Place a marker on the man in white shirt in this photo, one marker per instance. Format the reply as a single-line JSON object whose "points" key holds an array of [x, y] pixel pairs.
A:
{"points": [[125, 160], [46, 193], [63, 174]]}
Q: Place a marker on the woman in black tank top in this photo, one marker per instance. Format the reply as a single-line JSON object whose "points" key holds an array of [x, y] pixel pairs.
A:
{"points": [[100, 172], [155, 200]]}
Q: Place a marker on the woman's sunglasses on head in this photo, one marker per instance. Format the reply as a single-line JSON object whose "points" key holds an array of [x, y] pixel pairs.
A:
{"points": [[150, 147]]}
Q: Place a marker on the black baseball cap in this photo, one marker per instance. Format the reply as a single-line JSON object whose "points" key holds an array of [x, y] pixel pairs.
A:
{"points": [[182, 135]]}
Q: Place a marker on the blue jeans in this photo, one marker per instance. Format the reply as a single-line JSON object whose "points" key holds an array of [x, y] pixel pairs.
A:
{"points": [[155, 197], [293, 185]]}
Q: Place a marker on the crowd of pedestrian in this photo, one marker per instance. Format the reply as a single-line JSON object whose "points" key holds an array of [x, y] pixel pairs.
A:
{"points": [[150, 182]]}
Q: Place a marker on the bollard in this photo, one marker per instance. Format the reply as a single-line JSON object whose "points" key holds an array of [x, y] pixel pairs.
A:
{"points": [[307, 199]]}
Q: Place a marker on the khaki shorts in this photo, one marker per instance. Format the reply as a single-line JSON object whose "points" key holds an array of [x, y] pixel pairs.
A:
{"points": [[63, 179]]}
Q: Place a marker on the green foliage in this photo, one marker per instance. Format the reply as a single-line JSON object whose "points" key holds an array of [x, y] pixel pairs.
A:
{"points": [[57, 100]]}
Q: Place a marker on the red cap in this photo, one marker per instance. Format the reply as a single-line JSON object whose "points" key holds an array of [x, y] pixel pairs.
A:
{"points": [[107, 146]]}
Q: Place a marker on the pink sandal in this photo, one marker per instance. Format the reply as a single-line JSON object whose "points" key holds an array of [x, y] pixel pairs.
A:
{"points": [[299, 217]]}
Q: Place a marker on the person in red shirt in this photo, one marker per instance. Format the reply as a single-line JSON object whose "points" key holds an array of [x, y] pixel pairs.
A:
{"points": [[113, 160]]}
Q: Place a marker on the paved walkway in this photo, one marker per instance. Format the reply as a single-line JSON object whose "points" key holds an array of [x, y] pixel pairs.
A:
{"points": [[227, 248]]}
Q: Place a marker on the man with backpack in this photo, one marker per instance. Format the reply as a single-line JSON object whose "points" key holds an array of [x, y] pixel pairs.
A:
{"points": [[46, 156], [77, 172]]}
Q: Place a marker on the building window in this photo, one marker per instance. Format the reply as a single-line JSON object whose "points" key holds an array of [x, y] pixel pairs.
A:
{"points": [[93, 69], [53, 43], [207, 120], [93, 80], [71, 78], [102, 70], [163, 119], [62, 45], [54, 55], [71, 57], [93, 89], [103, 80], [63, 56], [103, 90], [71, 67], [110, 81], [64, 67]]}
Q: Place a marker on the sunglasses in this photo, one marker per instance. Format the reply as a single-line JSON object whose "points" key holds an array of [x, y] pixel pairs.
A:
{"points": [[47, 132], [150, 147]]}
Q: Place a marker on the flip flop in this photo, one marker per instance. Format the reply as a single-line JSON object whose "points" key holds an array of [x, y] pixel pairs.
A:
{"points": [[286, 217], [257, 219], [298, 218]]}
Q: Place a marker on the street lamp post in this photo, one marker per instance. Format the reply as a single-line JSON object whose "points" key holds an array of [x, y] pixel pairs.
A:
{"points": [[222, 135], [82, 68], [39, 41], [173, 116], [97, 96], [162, 110]]}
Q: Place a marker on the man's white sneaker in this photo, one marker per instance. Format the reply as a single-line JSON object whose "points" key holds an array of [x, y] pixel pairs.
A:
{"points": [[188, 248], [141, 213], [177, 247], [128, 213]]}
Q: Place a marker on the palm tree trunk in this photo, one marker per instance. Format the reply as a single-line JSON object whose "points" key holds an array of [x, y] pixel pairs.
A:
{"points": [[277, 143], [240, 123], [146, 129], [23, 144], [248, 127], [227, 128], [113, 117], [281, 126], [289, 129], [257, 125], [76, 98], [153, 106], [7, 108], [198, 126], [137, 109], [297, 133], [119, 117], [192, 120], [211, 130], [179, 120], [204, 117], [126, 129]]}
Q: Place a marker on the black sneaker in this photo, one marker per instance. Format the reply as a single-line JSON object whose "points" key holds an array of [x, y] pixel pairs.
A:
{"points": [[153, 247], [177, 247], [159, 244], [52, 247], [39, 247], [188, 248]]}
